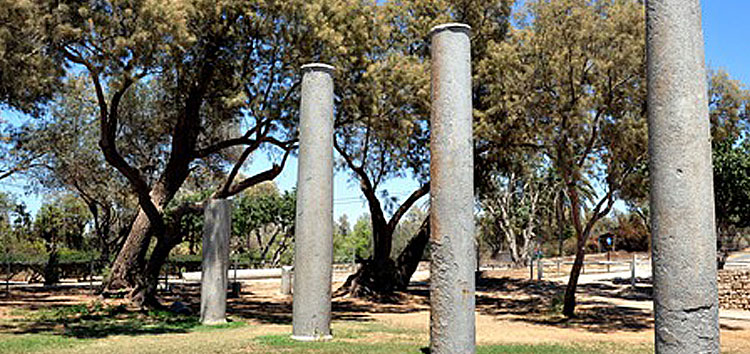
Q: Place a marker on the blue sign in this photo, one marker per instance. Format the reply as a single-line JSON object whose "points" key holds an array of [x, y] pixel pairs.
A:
{"points": [[609, 241]]}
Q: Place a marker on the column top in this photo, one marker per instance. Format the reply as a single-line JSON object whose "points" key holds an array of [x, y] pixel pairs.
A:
{"points": [[318, 67], [455, 26]]}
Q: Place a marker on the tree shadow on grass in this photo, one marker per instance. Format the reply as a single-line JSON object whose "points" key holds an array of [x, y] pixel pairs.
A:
{"points": [[99, 321], [278, 309], [536, 302], [37, 297], [540, 302]]}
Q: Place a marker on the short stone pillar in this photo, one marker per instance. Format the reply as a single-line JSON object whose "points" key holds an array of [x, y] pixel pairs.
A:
{"points": [[531, 269], [632, 272], [286, 280], [313, 247], [452, 283], [216, 230], [686, 305], [539, 269]]}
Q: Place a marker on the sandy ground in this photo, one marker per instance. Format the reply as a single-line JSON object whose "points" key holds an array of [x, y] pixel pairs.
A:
{"points": [[510, 308]]}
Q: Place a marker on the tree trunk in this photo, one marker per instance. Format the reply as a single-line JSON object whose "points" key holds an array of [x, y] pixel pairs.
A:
{"points": [[376, 276], [382, 277], [569, 304], [408, 261], [130, 261], [128, 272], [51, 274], [144, 294], [382, 236], [515, 257]]}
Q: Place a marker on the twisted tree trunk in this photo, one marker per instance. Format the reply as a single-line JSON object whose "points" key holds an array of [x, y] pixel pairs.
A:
{"points": [[376, 279]]}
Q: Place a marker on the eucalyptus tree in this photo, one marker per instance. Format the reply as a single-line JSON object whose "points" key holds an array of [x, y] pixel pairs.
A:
{"points": [[69, 160], [381, 133], [732, 193], [572, 73], [728, 114], [15, 225], [729, 102], [513, 209], [383, 112], [213, 82]]}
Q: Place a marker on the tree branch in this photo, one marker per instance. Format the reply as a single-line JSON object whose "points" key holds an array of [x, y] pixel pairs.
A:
{"points": [[266, 175], [406, 205]]}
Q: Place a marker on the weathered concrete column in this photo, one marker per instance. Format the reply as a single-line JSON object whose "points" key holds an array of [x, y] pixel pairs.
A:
{"points": [[313, 247], [452, 328], [286, 280], [682, 201], [216, 230]]}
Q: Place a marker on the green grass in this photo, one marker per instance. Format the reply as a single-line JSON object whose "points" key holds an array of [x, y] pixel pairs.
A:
{"points": [[276, 342], [98, 321], [343, 330], [30, 343], [597, 348], [284, 343]]}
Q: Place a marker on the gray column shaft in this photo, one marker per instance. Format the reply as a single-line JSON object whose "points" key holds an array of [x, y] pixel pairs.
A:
{"points": [[313, 248], [452, 327], [216, 231], [682, 200]]}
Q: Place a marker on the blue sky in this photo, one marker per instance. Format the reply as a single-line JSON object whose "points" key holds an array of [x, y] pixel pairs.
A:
{"points": [[726, 32]]}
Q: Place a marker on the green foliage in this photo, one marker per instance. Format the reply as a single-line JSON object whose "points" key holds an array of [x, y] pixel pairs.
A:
{"points": [[632, 232], [28, 74], [356, 243], [263, 224], [732, 195], [15, 225], [732, 183], [342, 231], [62, 222]]}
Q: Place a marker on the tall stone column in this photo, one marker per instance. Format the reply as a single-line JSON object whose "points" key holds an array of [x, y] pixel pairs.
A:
{"points": [[452, 328], [682, 202], [216, 230], [313, 245]]}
